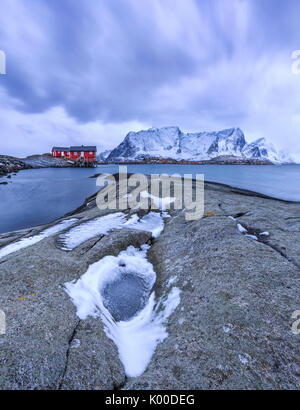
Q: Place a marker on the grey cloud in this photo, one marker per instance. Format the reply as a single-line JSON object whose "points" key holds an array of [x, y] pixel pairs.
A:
{"points": [[190, 63]]}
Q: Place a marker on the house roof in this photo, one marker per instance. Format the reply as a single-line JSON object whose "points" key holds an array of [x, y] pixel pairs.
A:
{"points": [[61, 148], [84, 148]]}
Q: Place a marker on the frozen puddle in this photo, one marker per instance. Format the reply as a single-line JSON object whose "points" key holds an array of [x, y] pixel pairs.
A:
{"points": [[152, 222], [119, 290], [25, 242], [125, 296]]}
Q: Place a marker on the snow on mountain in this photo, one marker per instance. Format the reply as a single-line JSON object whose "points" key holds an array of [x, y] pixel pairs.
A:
{"points": [[172, 143], [102, 157], [262, 149]]}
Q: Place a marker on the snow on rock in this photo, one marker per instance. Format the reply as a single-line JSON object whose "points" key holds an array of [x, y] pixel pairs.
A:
{"points": [[25, 242], [244, 231], [241, 228], [254, 237], [138, 337], [264, 234], [151, 222], [88, 230]]}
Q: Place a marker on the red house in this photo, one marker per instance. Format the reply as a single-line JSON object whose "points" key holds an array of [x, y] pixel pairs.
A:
{"points": [[81, 153], [60, 152]]}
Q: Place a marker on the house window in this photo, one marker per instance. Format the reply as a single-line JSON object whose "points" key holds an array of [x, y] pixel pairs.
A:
{"points": [[75, 153], [91, 153]]}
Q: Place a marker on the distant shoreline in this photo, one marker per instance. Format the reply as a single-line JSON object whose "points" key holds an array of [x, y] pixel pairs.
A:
{"points": [[206, 162]]}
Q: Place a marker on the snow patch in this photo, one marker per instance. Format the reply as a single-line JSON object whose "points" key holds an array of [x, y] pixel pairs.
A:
{"points": [[88, 230], [152, 222], [264, 234], [241, 228], [25, 242], [255, 238], [137, 338]]}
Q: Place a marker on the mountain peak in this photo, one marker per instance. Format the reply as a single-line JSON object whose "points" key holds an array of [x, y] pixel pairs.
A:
{"points": [[171, 143]]}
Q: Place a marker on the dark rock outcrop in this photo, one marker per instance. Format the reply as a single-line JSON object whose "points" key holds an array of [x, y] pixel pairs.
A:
{"points": [[11, 164]]}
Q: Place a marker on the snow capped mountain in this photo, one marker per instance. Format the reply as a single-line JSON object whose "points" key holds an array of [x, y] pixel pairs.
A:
{"points": [[103, 156], [261, 149], [172, 143]]}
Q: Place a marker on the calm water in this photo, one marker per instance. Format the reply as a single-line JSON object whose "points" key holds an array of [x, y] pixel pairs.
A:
{"points": [[35, 197]]}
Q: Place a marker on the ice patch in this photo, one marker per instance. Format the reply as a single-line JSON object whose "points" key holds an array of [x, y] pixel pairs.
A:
{"points": [[88, 230], [25, 242], [138, 337]]}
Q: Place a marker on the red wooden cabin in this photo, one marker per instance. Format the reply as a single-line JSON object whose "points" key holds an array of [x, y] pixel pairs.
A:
{"points": [[83, 153], [77, 153], [60, 152]]}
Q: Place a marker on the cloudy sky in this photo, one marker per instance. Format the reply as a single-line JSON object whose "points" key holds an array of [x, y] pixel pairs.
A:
{"points": [[89, 71]]}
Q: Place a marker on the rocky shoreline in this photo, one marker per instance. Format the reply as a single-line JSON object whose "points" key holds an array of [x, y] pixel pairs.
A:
{"points": [[220, 160], [10, 164], [47, 161], [231, 330]]}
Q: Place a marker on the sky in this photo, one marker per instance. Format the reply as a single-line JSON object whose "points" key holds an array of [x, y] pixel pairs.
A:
{"points": [[89, 71]]}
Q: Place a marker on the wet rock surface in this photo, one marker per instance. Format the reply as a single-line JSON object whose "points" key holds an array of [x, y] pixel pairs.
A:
{"points": [[232, 329]]}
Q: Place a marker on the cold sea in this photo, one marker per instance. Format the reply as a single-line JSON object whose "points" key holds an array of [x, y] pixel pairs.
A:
{"points": [[39, 196]]}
